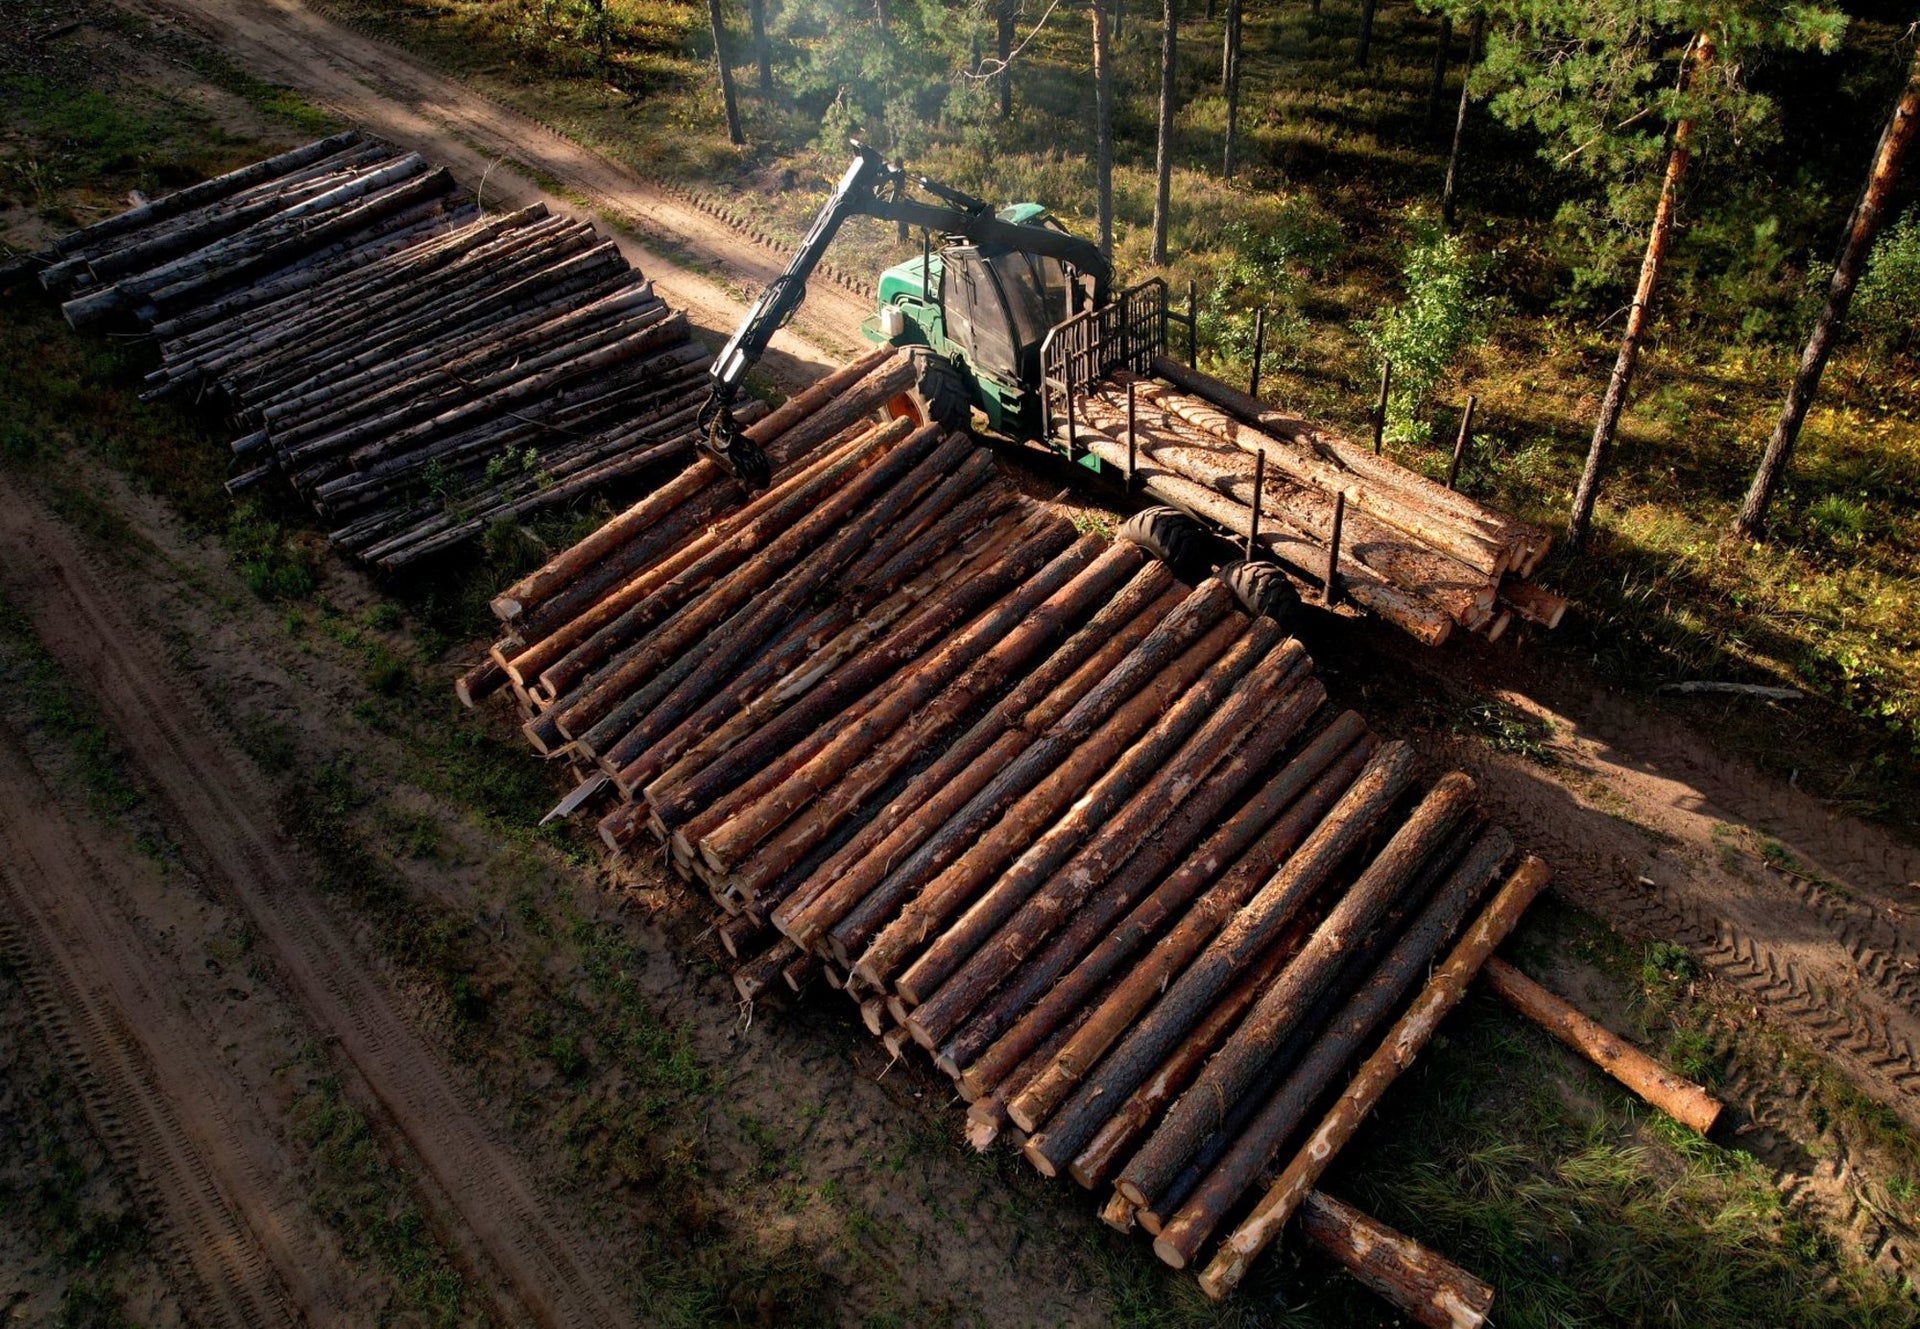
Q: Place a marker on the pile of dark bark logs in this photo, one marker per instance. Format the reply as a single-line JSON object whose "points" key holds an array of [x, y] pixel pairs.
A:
{"points": [[1088, 835], [416, 371], [1418, 554]]}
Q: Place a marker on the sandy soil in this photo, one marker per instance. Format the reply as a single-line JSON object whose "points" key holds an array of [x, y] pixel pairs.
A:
{"points": [[484, 1192]]}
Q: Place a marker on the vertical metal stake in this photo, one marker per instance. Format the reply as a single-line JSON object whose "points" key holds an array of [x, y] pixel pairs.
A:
{"points": [[1380, 407], [1333, 546], [1132, 438], [1259, 490], [1073, 438], [1259, 349], [1193, 329], [1460, 443]]}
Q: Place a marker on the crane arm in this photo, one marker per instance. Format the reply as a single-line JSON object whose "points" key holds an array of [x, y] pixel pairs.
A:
{"points": [[870, 188]]}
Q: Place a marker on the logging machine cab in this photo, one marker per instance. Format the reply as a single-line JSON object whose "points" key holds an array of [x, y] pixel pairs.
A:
{"points": [[977, 309], [984, 309]]}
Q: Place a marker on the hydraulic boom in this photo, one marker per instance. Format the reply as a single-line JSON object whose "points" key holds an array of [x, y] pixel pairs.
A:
{"points": [[870, 188]]}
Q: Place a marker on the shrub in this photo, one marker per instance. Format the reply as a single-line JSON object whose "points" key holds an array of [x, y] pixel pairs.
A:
{"points": [[1886, 304], [1444, 313]]}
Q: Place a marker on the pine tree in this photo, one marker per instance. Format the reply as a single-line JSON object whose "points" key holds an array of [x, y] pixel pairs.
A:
{"points": [[1868, 213], [734, 135], [1657, 241], [1230, 84], [1103, 124], [1163, 162]]}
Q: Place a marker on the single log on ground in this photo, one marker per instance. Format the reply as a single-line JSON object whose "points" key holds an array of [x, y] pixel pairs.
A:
{"points": [[1420, 1284], [1675, 1095]]}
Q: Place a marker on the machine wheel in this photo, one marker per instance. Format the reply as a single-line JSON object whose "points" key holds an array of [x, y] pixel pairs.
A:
{"points": [[938, 395], [1167, 533], [1263, 590]]}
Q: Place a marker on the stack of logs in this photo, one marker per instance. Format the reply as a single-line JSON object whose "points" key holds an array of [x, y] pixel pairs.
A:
{"points": [[1418, 554], [1088, 835], [414, 370]]}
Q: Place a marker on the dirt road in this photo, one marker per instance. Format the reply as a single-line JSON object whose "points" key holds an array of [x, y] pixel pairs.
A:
{"points": [[482, 1193], [231, 1226], [381, 89]]}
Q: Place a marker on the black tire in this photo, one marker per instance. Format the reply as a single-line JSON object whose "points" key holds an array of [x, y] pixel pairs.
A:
{"points": [[1169, 534], [1263, 590], [938, 396]]}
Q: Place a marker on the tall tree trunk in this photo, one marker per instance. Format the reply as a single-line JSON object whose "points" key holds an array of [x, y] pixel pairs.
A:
{"points": [[1366, 33], [734, 136], [1163, 161], [1616, 399], [1230, 82], [1003, 35], [1474, 34], [1868, 213], [757, 12], [1442, 49], [1103, 125], [880, 14], [1119, 17]]}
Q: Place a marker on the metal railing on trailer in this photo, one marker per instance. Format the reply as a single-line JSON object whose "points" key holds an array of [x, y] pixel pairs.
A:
{"points": [[1125, 333]]}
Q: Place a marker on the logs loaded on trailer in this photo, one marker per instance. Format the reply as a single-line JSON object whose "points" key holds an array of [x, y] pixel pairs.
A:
{"points": [[1091, 836], [415, 370], [1418, 554]]}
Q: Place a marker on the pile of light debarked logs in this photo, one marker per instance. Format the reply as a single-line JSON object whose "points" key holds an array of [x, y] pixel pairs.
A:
{"points": [[414, 369], [1089, 835], [1414, 552]]}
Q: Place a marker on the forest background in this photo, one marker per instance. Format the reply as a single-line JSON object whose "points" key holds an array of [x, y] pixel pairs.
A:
{"points": [[1343, 116]]}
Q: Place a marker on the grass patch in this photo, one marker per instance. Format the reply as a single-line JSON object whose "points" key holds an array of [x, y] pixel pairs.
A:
{"points": [[47, 694], [358, 1192], [1584, 1211]]}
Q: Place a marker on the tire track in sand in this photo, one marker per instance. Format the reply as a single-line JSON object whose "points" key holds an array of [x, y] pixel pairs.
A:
{"points": [[221, 814]]}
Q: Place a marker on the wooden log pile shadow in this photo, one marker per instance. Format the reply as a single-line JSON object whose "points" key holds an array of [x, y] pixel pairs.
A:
{"points": [[415, 370], [1419, 554], [1090, 837]]}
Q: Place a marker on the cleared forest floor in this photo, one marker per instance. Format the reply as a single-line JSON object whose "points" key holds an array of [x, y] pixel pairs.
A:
{"points": [[778, 1172]]}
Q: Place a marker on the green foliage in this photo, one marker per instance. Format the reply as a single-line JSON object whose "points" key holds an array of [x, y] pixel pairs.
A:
{"points": [[1842, 522], [887, 83], [1666, 963], [1445, 312], [1267, 266], [276, 566], [1600, 83], [1886, 303]]}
